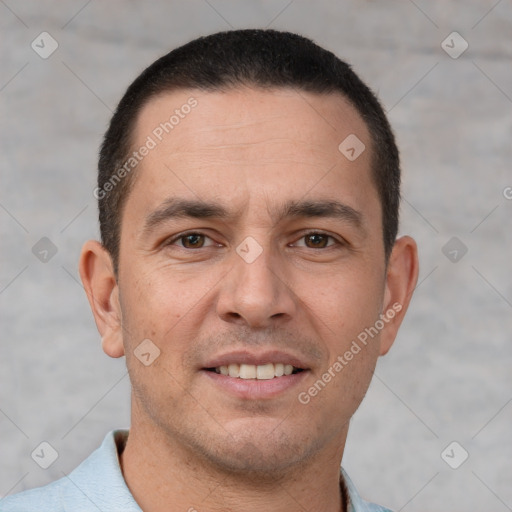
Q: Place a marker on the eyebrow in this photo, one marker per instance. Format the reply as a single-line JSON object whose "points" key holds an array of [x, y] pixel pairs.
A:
{"points": [[178, 208]]}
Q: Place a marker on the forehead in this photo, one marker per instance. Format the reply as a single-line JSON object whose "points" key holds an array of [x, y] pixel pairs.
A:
{"points": [[235, 116], [248, 145]]}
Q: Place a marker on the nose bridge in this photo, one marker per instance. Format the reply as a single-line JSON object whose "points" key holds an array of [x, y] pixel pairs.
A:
{"points": [[255, 292]]}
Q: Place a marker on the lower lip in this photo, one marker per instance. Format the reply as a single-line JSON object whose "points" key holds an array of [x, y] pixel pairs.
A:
{"points": [[255, 389]]}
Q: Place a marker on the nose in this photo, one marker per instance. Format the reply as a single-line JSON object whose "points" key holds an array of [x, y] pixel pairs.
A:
{"points": [[256, 293]]}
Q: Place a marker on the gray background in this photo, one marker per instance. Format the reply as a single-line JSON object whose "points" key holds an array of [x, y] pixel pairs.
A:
{"points": [[448, 377]]}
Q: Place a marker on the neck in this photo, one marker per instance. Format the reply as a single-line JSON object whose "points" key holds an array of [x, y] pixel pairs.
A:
{"points": [[160, 472]]}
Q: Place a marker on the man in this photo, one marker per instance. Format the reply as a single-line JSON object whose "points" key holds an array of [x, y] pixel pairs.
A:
{"points": [[249, 271]]}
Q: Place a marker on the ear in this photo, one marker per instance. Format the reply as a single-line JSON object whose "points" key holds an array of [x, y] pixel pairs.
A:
{"points": [[99, 280], [401, 279]]}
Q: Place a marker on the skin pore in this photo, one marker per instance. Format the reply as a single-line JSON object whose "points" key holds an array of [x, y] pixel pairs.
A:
{"points": [[265, 165]]}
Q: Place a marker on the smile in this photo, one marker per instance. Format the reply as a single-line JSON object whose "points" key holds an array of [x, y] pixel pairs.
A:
{"points": [[259, 372]]}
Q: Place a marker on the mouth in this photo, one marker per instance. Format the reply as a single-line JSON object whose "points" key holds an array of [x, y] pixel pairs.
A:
{"points": [[256, 376], [266, 371]]}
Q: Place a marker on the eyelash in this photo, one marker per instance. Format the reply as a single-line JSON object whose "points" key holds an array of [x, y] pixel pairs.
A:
{"points": [[182, 236]]}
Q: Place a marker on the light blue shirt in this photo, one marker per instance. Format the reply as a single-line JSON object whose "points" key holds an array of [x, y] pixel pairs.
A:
{"points": [[97, 484]]}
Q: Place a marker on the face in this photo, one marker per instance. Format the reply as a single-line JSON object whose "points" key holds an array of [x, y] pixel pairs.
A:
{"points": [[251, 246]]}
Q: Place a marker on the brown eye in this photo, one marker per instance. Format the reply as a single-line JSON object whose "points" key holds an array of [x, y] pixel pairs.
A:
{"points": [[192, 241], [316, 240]]}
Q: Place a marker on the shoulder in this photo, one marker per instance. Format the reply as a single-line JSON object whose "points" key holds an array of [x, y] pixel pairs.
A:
{"points": [[372, 507], [42, 499], [97, 483]]}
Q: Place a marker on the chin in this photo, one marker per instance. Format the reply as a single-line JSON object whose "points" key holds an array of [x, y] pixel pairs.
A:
{"points": [[262, 454], [256, 461]]}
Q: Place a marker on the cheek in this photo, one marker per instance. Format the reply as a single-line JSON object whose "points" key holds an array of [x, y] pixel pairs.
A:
{"points": [[167, 306], [345, 303], [162, 295], [352, 381]]}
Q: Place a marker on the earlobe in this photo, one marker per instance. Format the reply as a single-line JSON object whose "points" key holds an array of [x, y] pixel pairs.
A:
{"points": [[401, 279], [99, 280]]}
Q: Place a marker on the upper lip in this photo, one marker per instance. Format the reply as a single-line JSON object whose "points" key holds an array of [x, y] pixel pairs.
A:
{"points": [[253, 358]]}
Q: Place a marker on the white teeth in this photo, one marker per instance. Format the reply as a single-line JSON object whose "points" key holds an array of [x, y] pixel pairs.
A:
{"points": [[265, 371], [234, 370], [247, 371], [251, 371]]}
